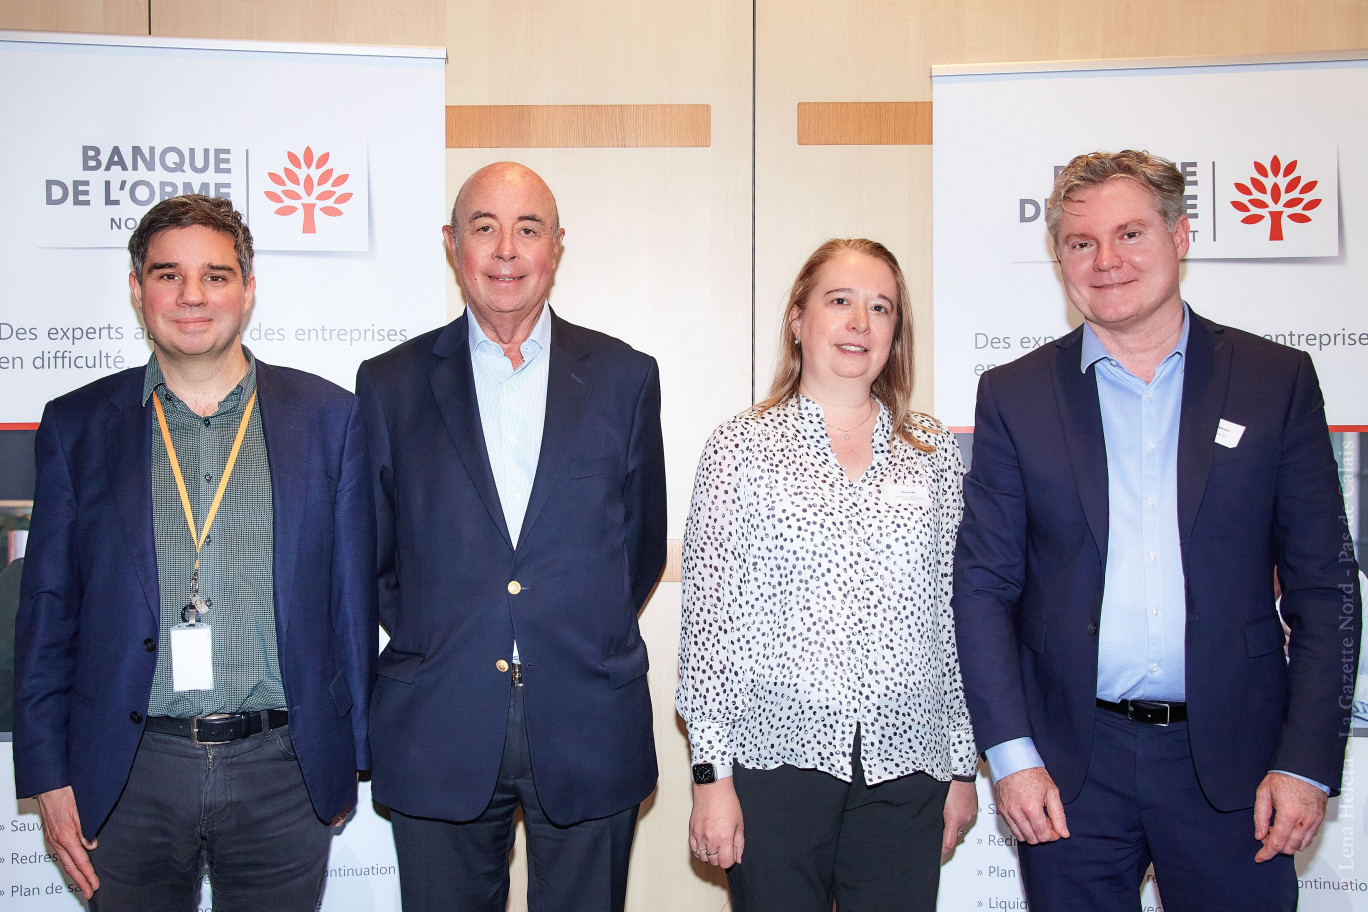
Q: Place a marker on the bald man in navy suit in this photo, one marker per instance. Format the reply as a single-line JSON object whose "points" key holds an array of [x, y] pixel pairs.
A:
{"points": [[519, 484]]}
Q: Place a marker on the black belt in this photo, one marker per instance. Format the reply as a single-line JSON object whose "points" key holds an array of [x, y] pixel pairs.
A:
{"points": [[1151, 712], [219, 727]]}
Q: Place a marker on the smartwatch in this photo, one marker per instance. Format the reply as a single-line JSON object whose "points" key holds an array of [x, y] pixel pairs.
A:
{"points": [[704, 773]]}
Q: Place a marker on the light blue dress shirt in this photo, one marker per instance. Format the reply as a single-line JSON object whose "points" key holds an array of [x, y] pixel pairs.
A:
{"points": [[1140, 640], [512, 413]]}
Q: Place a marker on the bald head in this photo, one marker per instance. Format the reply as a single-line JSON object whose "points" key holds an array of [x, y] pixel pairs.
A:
{"points": [[505, 176], [505, 239]]}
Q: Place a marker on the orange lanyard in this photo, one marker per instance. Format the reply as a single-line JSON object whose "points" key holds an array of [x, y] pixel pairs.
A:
{"points": [[200, 536]]}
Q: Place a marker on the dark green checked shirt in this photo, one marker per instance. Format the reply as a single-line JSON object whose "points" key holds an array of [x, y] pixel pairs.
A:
{"points": [[236, 566]]}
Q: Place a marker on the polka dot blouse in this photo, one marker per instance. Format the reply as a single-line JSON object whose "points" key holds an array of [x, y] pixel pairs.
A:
{"points": [[813, 604]]}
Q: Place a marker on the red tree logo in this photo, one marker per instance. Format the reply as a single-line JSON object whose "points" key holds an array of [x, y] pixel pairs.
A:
{"points": [[1280, 192], [312, 190]]}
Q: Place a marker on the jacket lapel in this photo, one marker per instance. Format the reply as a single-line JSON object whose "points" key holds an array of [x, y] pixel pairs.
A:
{"points": [[453, 386], [129, 432], [1206, 376], [1081, 416], [568, 386], [288, 454]]}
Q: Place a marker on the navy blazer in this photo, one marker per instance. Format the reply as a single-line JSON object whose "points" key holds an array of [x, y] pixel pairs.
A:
{"points": [[591, 548], [89, 618], [1032, 553]]}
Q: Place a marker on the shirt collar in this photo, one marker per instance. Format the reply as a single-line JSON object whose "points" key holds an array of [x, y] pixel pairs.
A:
{"points": [[1094, 350], [537, 340], [154, 378]]}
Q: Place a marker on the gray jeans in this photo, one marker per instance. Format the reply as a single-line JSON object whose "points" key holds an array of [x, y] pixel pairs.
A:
{"points": [[239, 808]]}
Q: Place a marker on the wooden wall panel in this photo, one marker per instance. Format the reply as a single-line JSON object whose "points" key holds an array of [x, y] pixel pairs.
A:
{"points": [[104, 17], [864, 123], [406, 22], [577, 126]]}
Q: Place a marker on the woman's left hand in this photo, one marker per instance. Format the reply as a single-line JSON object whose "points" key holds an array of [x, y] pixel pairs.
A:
{"points": [[961, 807]]}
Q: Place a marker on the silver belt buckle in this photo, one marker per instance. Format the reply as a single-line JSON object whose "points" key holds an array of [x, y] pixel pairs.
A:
{"points": [[517, 674], [194, 727], [1152, 708]]}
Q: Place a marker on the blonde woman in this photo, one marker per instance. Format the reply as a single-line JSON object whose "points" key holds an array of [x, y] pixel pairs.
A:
{"points": [[832, 750]]}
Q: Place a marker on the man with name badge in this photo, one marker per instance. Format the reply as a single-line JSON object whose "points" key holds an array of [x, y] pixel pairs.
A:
{"points": [[196, 637], [1135, 487], [519, 484]]}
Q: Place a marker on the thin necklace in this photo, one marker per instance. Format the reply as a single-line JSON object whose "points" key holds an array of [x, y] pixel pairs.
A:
{"points": [[854, 426]]}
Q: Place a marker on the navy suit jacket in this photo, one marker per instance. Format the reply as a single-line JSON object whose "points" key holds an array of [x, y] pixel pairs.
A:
{"points": [[1031, 560], [89, 618], [591, 548]]}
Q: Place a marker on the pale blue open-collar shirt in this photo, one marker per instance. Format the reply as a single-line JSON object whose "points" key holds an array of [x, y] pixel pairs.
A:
{"points": [[1141, 637], [1140, 650], [512, 414]]}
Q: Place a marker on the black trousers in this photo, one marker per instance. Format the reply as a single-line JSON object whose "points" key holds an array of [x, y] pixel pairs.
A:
{"points": [[446, 865], [812, 839]]}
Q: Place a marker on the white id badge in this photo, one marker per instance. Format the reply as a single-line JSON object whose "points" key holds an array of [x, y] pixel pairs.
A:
{"points": [[912, 495], [192, 657], [1228, 433]]}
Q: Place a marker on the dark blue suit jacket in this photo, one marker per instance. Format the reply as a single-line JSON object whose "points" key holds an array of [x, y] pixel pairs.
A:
{"points": [[1029, 568], [591, 548], [89, 618]]}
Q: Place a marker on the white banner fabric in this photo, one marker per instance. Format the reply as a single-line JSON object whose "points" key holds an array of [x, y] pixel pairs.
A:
{"points": [[1278, 188], [335, 156]]}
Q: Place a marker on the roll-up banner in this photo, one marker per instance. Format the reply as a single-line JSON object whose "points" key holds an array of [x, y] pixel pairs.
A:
{"points": [[1275, 155], [335, 155]]}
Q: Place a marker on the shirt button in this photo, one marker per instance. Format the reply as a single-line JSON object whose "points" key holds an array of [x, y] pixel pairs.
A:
{"points": [[1149, 502], [512, 438], [1149, 449], [206, 422], [514, 587], [1154, 611], [1154, 669], [1153, 557], [208, 478], [501, 665]]}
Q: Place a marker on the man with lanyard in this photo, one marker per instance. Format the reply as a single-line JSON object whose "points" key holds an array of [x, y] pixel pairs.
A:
{"points": [[196, 636]]}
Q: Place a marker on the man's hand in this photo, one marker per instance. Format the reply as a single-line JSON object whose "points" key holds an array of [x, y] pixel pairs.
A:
{"points": [[62, 830], [1029, 801], [961, 807], [1297, 809], [715, 835]]}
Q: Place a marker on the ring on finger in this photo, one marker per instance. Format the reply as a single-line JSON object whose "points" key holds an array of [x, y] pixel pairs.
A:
{"points": [[710, 854]]}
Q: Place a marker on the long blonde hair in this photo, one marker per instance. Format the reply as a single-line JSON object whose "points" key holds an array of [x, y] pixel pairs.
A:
{"points": [[893, 386]]}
